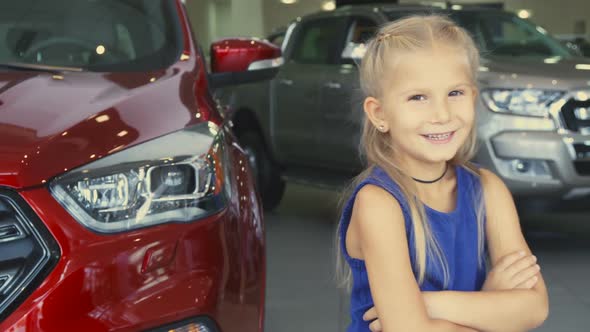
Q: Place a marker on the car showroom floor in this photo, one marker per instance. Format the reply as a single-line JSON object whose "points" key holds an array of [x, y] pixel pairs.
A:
{"points": [[301, 292]]}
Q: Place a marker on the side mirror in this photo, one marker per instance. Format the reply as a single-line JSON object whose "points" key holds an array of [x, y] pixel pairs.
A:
{"points": [[243, 60]]}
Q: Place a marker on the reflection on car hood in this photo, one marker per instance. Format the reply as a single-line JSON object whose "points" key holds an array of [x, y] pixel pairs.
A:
{"points": [[549, 68], [50, 123]]}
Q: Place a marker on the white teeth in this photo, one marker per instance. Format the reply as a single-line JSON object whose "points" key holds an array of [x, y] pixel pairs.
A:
{"points": [[439, 137]]}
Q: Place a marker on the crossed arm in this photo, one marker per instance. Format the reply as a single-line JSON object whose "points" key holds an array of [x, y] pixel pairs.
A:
{"points": [[514, 297]]}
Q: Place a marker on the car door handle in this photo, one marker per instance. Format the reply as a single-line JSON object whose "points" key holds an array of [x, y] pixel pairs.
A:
{"points": [[333, 85], [286, 82]]}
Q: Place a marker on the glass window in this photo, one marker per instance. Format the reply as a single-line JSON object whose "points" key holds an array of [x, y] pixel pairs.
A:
{"points": [[319, 41], [499, 33], [473, 25], [105, 35], [277, 39], [361, 30], [508, 35]]}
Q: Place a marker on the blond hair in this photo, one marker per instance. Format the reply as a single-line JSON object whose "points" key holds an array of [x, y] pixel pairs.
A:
{"points": [[411, 34]]}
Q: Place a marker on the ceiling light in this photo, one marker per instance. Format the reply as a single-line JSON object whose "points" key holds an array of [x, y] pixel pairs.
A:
{"points": [[524, 13], [288, 2], [100, 49], [329, 5]]}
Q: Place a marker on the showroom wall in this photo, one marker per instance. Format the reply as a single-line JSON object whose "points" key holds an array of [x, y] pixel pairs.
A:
{"points": [[214, 19]]}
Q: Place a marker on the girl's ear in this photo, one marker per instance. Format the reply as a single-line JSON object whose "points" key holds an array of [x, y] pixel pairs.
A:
{"points": [[475, 93], [376, 114]]}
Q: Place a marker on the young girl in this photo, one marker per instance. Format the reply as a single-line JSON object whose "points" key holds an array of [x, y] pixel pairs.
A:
{"points": [[422, 223]]}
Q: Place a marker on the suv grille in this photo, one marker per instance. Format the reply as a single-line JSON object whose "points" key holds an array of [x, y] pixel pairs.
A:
{"points": [[576, 115], [28, 252]]}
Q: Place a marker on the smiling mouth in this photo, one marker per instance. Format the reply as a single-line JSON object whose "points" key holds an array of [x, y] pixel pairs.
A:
{"points": [[442, 137]]}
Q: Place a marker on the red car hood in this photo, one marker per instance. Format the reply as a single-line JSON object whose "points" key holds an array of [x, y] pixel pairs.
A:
{"points": [[51, 124]]}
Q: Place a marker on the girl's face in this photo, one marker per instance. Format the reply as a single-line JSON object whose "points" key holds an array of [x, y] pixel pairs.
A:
{"points": [[429, 104]]}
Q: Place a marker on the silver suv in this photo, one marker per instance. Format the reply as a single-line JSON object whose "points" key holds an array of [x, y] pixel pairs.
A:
{"points": [[533, 114]]}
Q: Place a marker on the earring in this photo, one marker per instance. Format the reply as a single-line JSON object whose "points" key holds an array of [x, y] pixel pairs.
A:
{"points": [[381, 128]]}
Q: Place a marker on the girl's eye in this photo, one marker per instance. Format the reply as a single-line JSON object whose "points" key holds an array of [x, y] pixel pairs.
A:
{"points": [[417, 98], [456, 93]]}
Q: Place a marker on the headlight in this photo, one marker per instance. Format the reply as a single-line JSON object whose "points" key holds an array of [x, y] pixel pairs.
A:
{"points": [[528, 102], [179, 177]]}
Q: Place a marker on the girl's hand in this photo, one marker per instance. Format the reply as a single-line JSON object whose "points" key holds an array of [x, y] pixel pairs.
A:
{"points": [[371, 315], [514, 271], [375, 326]]}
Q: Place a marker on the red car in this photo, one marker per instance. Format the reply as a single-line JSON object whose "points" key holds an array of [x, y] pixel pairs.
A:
{"points": [[125, 202]]}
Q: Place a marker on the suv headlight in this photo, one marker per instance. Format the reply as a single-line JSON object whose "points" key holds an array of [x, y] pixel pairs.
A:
{"points": [[527, 102], [179, 177]]}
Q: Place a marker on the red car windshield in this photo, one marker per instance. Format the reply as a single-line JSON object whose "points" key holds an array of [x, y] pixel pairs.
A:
{"points": [[95, 35]]}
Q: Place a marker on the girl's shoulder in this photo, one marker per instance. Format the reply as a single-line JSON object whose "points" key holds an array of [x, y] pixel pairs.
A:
{"points": [[491, 183], [381, 178], [378, 177], [472, 172], [374, 199]]}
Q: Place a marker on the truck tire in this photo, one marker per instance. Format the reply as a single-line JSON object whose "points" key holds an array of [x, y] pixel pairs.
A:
{"points": [[269, 183]]}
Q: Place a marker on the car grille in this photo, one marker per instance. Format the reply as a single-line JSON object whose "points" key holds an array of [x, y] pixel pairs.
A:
{"points": [[576, 115], [28, 252]]}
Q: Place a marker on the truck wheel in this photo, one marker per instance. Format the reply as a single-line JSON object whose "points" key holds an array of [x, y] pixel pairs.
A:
{"points": [[268, 178]]}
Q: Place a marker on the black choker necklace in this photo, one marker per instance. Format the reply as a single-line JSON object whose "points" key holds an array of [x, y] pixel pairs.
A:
{"points": [[435, 180]]}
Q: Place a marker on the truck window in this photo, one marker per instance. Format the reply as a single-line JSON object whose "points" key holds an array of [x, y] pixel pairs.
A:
{"points": [[508, 35], [473, 26], [500, 33], [361, 30], [319, 41]]}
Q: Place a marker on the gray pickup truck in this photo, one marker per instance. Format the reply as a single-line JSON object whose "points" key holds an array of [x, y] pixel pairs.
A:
{"points": [[533, 114]]}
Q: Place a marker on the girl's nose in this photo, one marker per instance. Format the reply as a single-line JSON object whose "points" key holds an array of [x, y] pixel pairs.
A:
{"points": [[441, 113]]}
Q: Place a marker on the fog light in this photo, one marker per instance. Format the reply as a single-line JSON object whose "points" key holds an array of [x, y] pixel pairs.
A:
{"points": [[525, 168], [192, 327], [521, 166], [200, 324]]}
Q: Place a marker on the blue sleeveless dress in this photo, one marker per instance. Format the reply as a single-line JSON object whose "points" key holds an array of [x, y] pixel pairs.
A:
{"points": [[455, 232]]}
